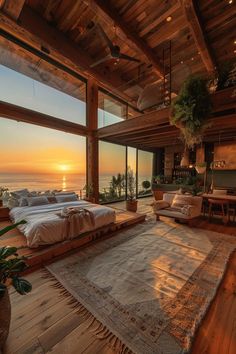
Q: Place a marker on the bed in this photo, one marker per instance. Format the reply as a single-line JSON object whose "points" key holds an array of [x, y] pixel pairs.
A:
{"points": [[45, 226]]}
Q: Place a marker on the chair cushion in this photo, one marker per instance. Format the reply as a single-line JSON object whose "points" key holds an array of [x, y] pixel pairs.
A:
{"points": [[181, 200], [160, 204]]}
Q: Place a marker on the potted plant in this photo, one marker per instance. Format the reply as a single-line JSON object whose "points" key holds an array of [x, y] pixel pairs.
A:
{"points": [[191, 109], [131, 202], [11, 265], [201, 167], [146, 186]]}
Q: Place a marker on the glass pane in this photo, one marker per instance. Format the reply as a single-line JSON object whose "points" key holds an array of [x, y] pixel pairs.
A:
{"points": [[145, 161], [41, 159], [30, 82], [131, 164], [112, 159], [110, 110]]}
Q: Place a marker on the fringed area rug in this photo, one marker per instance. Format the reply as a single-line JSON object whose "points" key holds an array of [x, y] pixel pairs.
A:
{"points": [[150, 285]]}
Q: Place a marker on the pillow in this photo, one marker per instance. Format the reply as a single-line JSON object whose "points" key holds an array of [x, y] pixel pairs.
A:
{"points": [[180, 200], [23, 202], [12, 202], [20, 193], [33, 201], [186, 209], [160, 204], [66, 198]]}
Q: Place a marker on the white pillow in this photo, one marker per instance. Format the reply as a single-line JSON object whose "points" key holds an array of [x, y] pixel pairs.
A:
{"points": [[180, 200], [160, 204], [23, 202], [34, 201], [66, 198], [12, 202], [20, 193]]}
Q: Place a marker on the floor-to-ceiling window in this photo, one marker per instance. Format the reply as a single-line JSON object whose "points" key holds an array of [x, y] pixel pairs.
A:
{"points": [[145, 172], [41, 159], [112, 170]]}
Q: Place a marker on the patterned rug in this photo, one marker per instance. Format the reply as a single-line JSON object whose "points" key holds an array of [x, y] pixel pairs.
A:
{"points": [[150, 285]]}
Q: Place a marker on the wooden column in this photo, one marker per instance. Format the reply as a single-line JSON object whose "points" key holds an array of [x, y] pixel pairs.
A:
{"points": [[92, 140]]}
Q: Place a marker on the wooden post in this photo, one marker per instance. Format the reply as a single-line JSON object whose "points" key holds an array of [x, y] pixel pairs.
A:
{"points": [[92, 140]]}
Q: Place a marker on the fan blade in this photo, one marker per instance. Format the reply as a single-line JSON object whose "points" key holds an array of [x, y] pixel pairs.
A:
{"points": [[107, 39], [102, 60], [127, 57]]}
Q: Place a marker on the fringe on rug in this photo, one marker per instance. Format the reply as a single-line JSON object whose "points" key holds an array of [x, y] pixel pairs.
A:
{"points": [[94, 326]]}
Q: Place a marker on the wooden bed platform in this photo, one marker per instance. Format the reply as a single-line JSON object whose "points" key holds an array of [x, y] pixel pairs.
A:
{"points": [[38, 256]]}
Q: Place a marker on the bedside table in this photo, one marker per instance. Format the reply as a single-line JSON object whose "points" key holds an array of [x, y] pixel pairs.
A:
{"points": [[4, 213]]}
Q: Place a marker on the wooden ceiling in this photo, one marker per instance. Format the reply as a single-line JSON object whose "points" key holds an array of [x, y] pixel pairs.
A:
{"points": [[201, 33], [36, 34]]}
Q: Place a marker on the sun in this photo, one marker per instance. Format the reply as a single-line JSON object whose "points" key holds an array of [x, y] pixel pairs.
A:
{"points": [[64, 168]]}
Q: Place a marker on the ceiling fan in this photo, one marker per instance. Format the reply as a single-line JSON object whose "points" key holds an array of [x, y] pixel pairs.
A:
{"points": [[114, 51]]}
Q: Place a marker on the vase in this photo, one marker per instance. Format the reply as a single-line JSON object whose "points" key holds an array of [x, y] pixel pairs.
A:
{"points": [[5, 317], [131, 205]]}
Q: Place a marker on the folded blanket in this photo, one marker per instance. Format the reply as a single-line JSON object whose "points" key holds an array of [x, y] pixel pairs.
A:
{"points": [[76, 218]]}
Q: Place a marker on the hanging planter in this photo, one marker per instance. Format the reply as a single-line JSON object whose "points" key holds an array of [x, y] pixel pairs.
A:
{"points": [[191, 110]]}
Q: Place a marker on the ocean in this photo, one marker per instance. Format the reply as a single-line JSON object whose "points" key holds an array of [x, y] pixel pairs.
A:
{"points": [[43, 182]]}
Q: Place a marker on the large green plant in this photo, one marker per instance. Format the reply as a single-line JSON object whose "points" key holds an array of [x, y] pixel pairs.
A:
{"points": [[191, 110], [11, 265]]}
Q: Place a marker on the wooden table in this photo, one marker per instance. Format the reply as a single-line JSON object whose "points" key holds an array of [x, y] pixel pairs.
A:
{"points": [[231, 199]]}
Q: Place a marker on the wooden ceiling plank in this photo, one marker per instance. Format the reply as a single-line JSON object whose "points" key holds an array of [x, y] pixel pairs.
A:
{"points": [[198, 34], [36, 32], [13, 8], [132, 37]]}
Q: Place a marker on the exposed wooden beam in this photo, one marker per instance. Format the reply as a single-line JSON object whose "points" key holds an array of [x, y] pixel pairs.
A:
{"points": [[104, 9], [2, 3], [36, 32], [25, 115], [13, 8], [194, 22]]}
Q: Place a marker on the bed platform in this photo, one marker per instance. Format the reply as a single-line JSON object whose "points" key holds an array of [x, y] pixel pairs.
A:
{"points": [[39, 256]]}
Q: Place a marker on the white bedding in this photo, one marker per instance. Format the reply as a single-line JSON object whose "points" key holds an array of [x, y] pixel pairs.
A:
{"points": [[45, 227]]}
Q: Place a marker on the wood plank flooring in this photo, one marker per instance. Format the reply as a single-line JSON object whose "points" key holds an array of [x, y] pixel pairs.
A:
{"points": [[44, 322]]}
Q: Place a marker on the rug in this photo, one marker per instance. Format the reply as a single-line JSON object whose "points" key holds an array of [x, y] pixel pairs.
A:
{"points": [[150, 285]]}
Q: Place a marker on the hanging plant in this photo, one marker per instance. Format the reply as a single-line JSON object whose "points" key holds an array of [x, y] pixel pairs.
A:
{"points": [[191, 110]]}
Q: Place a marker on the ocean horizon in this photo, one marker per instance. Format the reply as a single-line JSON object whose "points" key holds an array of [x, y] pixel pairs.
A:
{"points": [[45, 181]]}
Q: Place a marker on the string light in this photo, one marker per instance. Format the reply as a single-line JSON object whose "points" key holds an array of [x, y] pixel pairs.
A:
{"points": [[230, 2], [169, 18]]}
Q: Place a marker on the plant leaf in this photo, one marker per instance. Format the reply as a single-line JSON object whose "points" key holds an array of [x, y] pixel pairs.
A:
{"points": [[21, 285], [11, 227], [7, 252]]}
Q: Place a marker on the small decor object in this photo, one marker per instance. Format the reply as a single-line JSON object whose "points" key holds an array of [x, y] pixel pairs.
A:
{"points": [[11, 265], [191, 110], [131, 202]]}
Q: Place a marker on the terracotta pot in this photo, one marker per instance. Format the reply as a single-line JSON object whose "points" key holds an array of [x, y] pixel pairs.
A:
{"points": [[131, 205], [5, 318]]}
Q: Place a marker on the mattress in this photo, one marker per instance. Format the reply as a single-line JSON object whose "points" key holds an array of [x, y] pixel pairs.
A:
{"points": [[45, 227]]}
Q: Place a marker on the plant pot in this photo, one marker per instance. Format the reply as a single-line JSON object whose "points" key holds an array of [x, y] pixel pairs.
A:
{"points": [[131, 205], [200, 169], [5, 317]]}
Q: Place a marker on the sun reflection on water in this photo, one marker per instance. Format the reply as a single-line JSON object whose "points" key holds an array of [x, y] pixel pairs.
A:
{"points": [[64, 184]]}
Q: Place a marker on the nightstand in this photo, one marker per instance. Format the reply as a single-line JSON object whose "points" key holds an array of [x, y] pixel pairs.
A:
{"points": [[4, 213]]}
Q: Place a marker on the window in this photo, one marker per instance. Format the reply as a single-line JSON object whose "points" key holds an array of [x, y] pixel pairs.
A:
{"points": [[112, 161], [110, 110], [22, 90], [145, 166], [39, 158]]}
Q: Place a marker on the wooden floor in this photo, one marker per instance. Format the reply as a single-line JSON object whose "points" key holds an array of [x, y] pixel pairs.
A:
{"points": [[40, 255], [44, 322]]}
